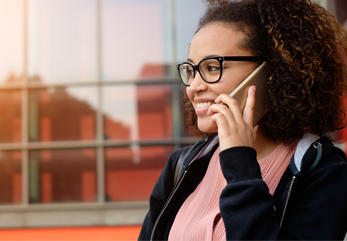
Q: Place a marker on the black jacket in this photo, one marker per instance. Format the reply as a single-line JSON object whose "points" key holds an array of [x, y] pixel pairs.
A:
{"points": [[311, 197]]}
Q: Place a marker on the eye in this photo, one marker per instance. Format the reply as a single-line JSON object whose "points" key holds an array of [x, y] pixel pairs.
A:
{"points": [[189, 71], [212, 68]]}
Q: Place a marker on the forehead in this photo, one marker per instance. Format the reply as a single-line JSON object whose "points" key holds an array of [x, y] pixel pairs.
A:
{"points": [[216, 39]]}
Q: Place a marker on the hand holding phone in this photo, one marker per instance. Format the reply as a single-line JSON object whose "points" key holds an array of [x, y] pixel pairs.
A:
{"points": [[241, 134], [259, 78]]}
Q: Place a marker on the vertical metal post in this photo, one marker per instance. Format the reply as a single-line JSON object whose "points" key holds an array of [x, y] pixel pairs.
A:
{"points": [[99, 118], [173, 33], [324, 3], [331, 7], [24, 110], [175, 99]]}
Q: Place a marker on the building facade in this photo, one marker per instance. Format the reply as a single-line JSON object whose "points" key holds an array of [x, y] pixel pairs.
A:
{"points": [[90, 106]]}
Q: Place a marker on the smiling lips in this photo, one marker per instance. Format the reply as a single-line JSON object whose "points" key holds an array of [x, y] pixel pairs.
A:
{"points": [[202, 107], [203, 104]]}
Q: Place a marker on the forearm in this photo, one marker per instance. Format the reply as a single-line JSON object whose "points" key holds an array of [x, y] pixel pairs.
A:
{"points": [[246, 205], [316, 210]]}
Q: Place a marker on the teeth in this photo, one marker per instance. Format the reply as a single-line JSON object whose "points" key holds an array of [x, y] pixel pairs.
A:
{"points": [[203, 104]]}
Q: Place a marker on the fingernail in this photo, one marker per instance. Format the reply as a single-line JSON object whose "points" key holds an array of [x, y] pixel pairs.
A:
{"points": [[254, 89]]}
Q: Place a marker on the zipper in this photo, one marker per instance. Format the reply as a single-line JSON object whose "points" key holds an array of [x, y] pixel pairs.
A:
{"points": [[286, 205], [167, 203], [196, 144], [177, 186]]}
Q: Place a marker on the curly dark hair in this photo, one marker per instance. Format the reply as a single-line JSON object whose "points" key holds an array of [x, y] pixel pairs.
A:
{"points": [[304, 45]]}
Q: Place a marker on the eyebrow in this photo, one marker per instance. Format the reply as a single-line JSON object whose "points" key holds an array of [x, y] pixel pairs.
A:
{"points": [[208, 56]]}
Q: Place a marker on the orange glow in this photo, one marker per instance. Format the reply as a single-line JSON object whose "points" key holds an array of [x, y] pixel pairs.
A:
{"points": [[89, 233]]}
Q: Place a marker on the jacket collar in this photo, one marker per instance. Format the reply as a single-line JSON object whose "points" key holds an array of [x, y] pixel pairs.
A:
{"points": [[304, 157], [303, 145], [310, 150], [200, 149]]}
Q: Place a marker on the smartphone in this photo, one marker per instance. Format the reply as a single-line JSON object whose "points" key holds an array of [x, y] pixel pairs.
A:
{"points": [[259, 78]]}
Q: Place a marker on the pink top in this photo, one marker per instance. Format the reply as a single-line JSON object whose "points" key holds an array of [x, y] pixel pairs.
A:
{"points": [[199, 217]]}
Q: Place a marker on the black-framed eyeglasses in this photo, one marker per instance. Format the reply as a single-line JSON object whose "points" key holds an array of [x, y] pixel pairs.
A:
{"points": [[210, 69]]}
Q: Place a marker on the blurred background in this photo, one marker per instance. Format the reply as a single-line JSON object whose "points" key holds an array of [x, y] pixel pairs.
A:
{"points": [[90, 110]]}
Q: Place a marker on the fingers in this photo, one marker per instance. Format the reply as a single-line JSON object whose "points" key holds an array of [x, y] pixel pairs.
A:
{"points": [[248, 113], [234, 127], [223, 117], [223, 124], [228, 106]]}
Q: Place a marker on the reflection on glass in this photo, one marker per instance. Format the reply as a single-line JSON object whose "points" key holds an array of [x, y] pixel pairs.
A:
{"points": [[10, 177], [340, 11], [134, 39], [62, 42], [132, 172], [62, 114], [188, 14], [62, 176], [11, 119], [11, 41], [137, 112]]}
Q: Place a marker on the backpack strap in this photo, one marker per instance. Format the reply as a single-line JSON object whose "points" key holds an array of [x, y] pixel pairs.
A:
{"points": [[178, 169], [186, 151]]}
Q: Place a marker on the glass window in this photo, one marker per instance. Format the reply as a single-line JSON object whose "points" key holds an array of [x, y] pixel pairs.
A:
{"points": [[134, 39], [62, 114], [323, 3], [10, 177], [11, 41], [62, 176], [137, 112], [341, 12], [132, 172], [11, 118], [62, 40], [188, 14]]}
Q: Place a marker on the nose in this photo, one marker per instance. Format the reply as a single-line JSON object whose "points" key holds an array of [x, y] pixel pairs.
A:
{"points": [[198, 84]]}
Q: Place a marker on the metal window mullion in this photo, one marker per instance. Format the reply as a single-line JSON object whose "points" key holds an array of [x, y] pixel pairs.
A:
{"points": [[25, 177], [25, 151], [99, 118], [100, 175], [173, 32], [324, 4], [176, 113], [24, 110], [331, 7], [35, 86], [95, 144]]}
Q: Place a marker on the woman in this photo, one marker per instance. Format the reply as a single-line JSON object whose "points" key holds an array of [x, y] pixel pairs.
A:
{"points": [[282, 179]]}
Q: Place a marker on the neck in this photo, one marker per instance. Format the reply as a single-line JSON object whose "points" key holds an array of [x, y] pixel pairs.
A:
{"points": [[263, 145]]}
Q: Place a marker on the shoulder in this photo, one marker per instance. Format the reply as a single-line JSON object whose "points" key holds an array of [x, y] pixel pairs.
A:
{"points": [[330, 155], [329, 169], [315, 152]]}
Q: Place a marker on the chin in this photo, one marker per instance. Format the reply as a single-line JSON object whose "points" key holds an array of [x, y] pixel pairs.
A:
{"points": [[207, 127]]}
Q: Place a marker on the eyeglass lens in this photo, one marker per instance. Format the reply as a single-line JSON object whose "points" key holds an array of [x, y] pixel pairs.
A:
{"points": [[210, 71], [186, 73]]}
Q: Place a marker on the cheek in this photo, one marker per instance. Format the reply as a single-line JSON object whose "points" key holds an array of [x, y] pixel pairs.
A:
{"points": [[189, 94], [227, 85], [224, 87], [233, 77]]}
